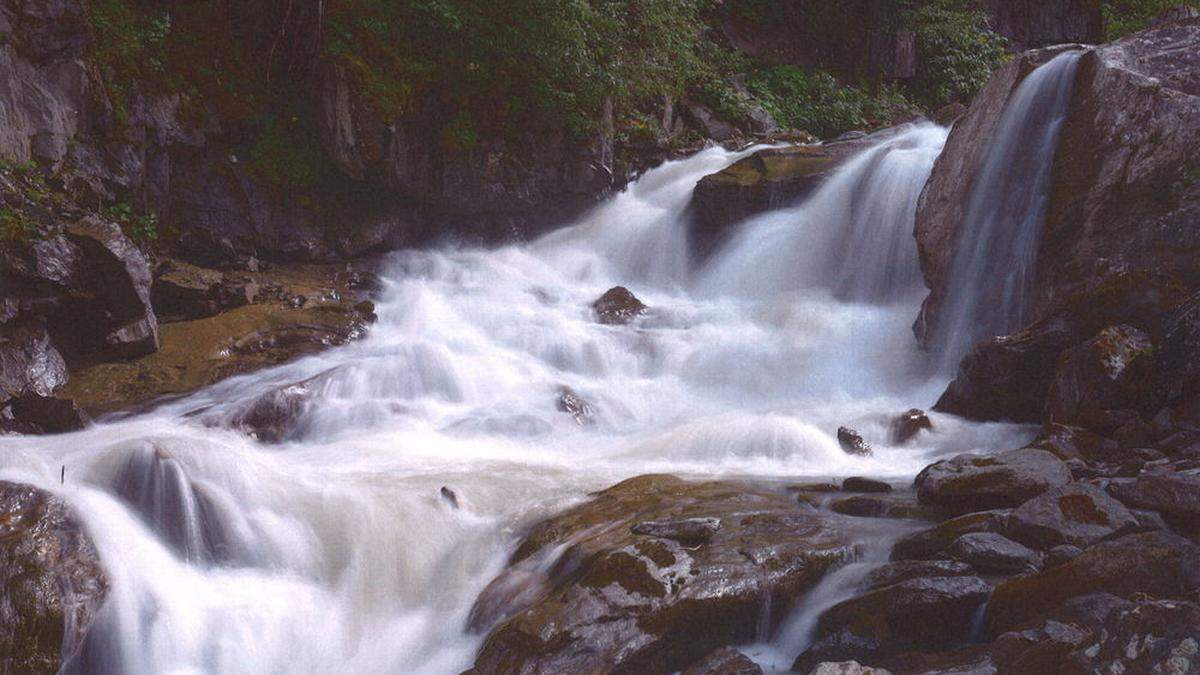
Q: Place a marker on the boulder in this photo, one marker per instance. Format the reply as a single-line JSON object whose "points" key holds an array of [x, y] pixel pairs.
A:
{"points": [[908, 425], [1077, 514], [933, 542], [974, 483], [615, 600], [1175, 495], [724, 661], [846, 668], [52, 579], [1120, 198], [617, 307], [47, 415], [913, 615], [1100, 374], [708, 122], [1157, 563], [121, 274], [860, 484], [576, 406], [852, 442], [184, 292], [902, 505], [686, 531], [1151, 636], [890, 573], [29, 363], [991, 552], [1036, 23], [1069, 443]]}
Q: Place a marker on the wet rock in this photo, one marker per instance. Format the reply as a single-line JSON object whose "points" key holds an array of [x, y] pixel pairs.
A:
{"points": [[688, 531], [1175, 495], [894, 572], [881, 506], [852, 442], [1151, 636], [1158, 563], [846, 668], [932, 543], [617, 307], [449, 496], [619, 601], [278, 414], [1075, 443], [122, 275], [707, 121], [183, 292], [724, 661], [913, 615], [973, 483], [48, 415], [29, 363], [907, 426], [1077, 514], [991, 552], [576, 406], [949, 113], [1062, 553], [1100, 374], [51, 577], [859, 484]]}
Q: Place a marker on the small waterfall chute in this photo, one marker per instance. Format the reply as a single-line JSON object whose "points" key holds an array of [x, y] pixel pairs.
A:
{"points": [[991, 280]]}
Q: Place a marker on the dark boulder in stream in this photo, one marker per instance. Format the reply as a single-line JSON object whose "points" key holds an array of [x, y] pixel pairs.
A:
{"points": [[51, 578], [617, 306], [583, 593]]}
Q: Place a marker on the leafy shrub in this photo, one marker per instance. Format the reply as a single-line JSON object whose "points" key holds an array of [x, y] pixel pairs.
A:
{"points": [[816, 102], [957, 48], [1122, 17], [142, 227]]}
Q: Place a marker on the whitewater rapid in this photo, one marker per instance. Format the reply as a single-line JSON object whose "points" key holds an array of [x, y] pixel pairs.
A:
{"points": [[334, 551]]}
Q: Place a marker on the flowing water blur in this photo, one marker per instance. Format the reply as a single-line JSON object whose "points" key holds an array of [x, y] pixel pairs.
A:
{"points": [[335, 551], [991, 280]]}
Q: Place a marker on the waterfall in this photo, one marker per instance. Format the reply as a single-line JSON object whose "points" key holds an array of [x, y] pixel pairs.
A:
{"points": [[995, 260], [333, 549], [853, 237]]}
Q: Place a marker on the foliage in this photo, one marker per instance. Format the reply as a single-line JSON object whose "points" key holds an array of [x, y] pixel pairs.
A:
{"points": [[816, 102], [1122, 17], [284, 154], [142, 227], [15, 226], [128, 45], [958, 49]]}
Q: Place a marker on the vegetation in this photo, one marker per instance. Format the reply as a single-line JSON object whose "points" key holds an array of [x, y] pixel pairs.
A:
{"points": [[958, 49], [818, 103], [1122, 17]]}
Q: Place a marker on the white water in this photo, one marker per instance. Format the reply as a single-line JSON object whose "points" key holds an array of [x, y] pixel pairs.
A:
{"points": [[991, 281], [335, 552]]}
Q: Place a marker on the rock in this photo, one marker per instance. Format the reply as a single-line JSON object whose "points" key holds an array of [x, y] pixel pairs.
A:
{"points": [[1030, 24], [184, 292], [707, 121], [1006, 378], [859, 484], [1175, 495], [617, 307], [846, 668], [974, 483], [949, 113], [1117, 206], [1176, 14], [278, 414], [1077, 514], [852, 442], [1177, 369], [29, 363], [1101, 374], [1151, 636], [890, 573], [576, 406], [122, 275], [449, 496], [617, 601], [875, 506], [1069, 443], [688, 531], [52, 579], [991, 552], [1062, 553], [907, 426], [48, 415], [913, 615], [1157, 563], [932, 543], [724, 661]]}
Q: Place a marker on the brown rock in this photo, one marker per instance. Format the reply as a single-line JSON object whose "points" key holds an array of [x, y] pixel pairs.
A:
{"points": [[907, 426], [852, 442], [1077, 514], [617, 306], [973, 483], [724, 661], [1101, 374], [933, 542]]}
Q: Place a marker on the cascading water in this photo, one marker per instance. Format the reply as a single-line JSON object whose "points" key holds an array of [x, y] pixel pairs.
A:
{"points": [[335, 551], [995, 260]]}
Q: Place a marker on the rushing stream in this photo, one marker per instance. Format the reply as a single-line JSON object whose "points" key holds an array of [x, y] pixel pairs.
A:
{"points": [[334, 551]]}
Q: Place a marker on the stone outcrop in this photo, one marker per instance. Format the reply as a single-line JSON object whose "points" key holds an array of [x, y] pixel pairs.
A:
{"points": [[51, 578], [618, 306], [973, 483], [621, 600], [1119, 220]]}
